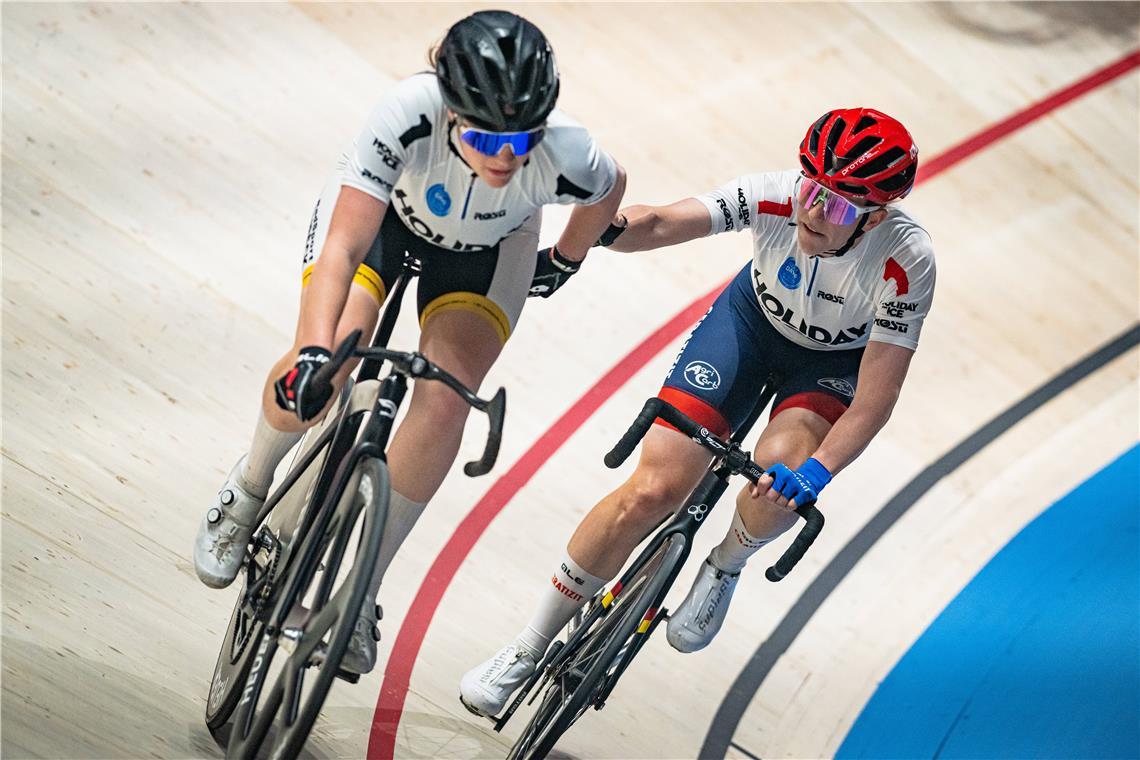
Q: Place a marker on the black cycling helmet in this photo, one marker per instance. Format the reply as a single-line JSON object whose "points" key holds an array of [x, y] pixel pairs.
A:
{"points": [[497, 71]]}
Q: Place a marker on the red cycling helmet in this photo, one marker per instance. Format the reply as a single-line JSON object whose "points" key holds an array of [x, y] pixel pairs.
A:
{"points": [[860, 153]]}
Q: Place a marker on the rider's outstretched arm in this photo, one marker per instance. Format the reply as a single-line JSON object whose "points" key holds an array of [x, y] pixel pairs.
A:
{"points": [[650, 227], [353, 227], [588, 222]]}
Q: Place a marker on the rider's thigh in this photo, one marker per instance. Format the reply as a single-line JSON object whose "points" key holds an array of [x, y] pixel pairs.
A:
{"points": [[790, 438], [360, 313], [670, 466], [465, 344], [424, 447]]}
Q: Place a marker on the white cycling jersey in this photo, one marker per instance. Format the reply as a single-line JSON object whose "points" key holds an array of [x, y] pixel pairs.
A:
{"points": [[408, 155], [880, 290]]}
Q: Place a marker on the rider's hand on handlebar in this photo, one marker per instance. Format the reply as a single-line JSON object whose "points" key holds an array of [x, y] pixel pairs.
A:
{"points": [[787, 488], [299, 391], [551, 272]]}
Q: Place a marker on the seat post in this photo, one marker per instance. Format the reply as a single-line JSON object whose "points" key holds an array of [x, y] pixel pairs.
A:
{"points": [[762, 402]]}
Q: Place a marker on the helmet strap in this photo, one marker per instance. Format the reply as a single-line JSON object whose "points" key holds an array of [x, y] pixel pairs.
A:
{"points": [[452, 125], [851, 241]]}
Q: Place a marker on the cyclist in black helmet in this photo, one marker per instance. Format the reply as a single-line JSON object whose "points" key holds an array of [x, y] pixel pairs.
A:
{"points": [[452, 167]]}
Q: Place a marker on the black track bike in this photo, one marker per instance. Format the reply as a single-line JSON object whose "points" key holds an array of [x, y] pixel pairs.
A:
{"points": [[309, 562], [582, 671]]}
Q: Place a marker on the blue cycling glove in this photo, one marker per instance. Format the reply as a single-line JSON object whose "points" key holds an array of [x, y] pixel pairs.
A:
{"points": [[803, 484]]}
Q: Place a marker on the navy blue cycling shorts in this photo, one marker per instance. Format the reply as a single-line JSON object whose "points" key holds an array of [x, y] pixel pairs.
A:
{"points": [[722, 368]]}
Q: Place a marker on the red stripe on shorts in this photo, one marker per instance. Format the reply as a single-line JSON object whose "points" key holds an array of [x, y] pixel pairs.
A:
{"points": [[700, 411], [823, 404]]}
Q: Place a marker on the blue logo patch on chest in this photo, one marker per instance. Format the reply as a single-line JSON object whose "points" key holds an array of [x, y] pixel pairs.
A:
{"points": [[438, 201], [789, 274]]}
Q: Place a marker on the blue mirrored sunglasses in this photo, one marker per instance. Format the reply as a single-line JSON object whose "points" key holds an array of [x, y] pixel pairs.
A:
{"points": [[490, 143]]}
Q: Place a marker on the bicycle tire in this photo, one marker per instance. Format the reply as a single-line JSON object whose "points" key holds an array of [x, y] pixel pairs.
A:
{"points": [[614, 637], [232, 668], [242, 637], [247, 620], [284, 705]]}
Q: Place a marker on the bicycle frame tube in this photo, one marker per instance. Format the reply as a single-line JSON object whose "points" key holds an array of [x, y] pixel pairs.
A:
{"points": [[295, 473], [379, 428], [370, 368], [348, 426], [320, 518]]}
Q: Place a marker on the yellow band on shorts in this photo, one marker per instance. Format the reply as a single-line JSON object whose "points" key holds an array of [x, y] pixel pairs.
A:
{"points": [[474, 303], [365, 277]]}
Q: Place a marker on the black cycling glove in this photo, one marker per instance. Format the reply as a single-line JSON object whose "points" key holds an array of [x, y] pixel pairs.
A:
{"points": [[299, 391], [551, 272]]}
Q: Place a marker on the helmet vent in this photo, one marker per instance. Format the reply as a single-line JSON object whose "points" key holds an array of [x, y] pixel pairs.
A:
{"points": [[864, 123], [879, 163], [507, 45], [833, 136], [861, 149], [468, 76], [849, 189], [808, 168], [898, 181], [813, 143]]}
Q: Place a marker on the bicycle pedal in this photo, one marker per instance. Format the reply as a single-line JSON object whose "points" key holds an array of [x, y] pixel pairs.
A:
{"points": [[344, 675]]}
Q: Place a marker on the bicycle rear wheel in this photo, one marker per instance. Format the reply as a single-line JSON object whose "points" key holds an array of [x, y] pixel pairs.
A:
{"points": [[599, 654], [287, 693]]}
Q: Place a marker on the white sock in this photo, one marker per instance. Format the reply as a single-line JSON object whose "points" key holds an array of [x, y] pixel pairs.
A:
{"points": [[731, 554], [268, 448], [570, 587], [402, 516]]}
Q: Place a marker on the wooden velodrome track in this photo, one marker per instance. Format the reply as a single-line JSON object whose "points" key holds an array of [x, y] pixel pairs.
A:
{"points": [[159, 167]]}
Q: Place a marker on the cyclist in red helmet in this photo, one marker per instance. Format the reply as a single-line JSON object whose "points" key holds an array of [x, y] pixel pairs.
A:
{"points": [[831, 304]]}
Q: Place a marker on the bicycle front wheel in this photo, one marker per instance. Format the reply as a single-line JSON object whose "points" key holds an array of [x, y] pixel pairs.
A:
{"points": [[287, 693], [600, 654]]}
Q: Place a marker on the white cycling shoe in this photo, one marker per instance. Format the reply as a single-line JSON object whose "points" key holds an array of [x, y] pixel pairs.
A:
{"points": [[360, 657], [486, 688], [699, 618], [224, 533]]}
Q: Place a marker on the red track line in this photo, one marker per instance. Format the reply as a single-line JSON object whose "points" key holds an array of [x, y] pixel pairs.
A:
{"points": [[971, 145], [405, 649], [390, 705]]}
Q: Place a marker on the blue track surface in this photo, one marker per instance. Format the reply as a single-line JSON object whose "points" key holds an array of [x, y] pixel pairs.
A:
{"points": [[1039, 656]]}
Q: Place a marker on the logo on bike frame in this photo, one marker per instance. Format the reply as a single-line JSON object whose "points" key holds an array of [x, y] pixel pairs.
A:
{"points": [[698, 511], [438, 201], [702, 375]]}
